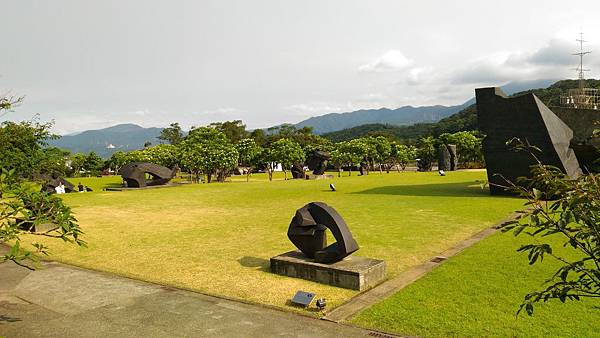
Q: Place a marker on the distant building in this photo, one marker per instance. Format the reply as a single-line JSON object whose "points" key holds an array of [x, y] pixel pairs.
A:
{"points": [[110, 146]]}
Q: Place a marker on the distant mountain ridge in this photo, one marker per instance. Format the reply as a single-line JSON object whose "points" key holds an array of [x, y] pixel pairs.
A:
{"points": [[337, 126], [105, 142], [400, 116], [403, 116]]}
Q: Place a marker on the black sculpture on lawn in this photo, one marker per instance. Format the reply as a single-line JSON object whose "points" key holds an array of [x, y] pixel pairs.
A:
{"points": [[525, 117], [317, 161], [298, 171], [134, 174], [54, 181], [447, 158], [307, 232]]}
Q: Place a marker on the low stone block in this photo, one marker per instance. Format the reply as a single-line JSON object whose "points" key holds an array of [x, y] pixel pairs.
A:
{"points": [[353, 272], [319, 177]]}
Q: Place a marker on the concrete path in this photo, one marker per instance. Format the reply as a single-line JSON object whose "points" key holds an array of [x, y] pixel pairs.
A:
{"points": [[64, 301]]}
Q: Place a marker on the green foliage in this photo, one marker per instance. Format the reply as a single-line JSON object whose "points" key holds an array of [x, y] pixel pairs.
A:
{"points": [[161, 154], [233, 130], [93, 163], [468, 146], [53, 160], [346, 154], [21, 146], [172, 134], [287, 152], [401, 155], [22, 210], [207, 150], [573, 213], [248, 154]]}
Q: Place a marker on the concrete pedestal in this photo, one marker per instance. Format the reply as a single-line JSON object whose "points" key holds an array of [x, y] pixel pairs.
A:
{"points": [[357, 273], [319, 177]]}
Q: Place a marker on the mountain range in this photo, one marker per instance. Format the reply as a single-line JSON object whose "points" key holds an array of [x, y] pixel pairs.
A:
{"points": [[105, 142], [126, 137]]}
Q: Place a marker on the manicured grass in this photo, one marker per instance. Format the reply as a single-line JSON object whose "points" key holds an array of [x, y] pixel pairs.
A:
{"points": [[217, 238], [477, 293]]}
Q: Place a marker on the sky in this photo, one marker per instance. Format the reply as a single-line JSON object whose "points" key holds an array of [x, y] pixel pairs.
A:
{"points": [[93, 64]]}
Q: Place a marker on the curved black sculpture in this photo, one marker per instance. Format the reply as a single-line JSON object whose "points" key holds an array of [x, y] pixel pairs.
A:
{"points": [[134, 174], [307, 232], [317, 161]]}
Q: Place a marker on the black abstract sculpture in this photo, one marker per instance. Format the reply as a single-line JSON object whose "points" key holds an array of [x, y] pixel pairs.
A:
{"points": [[134, 174], [307, 232], [423, 165], [54, 181], [525, 117], [447, 159], [317, 161], [298, 171]]}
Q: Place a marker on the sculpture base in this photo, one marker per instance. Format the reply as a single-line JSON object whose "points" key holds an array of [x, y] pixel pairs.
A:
{"points": [[319, 177], [168, 185], [357, 273]]}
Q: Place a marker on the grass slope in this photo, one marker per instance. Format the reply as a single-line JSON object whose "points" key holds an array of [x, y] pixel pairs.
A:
{"points": [[217, 238], [477, 293]]}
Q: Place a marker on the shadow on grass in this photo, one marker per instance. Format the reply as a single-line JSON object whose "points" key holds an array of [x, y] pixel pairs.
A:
{"points": [[255, 262], [4, 318], [461, 189]]}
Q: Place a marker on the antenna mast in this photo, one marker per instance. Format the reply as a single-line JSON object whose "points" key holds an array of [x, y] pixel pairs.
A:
{"points": [[580, 70]]}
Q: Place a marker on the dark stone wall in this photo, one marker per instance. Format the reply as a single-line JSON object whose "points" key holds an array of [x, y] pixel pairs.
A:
{"points": [[583, 122], [526, 117]]}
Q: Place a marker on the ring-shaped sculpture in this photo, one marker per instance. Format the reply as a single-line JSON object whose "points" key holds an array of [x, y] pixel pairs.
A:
{"points": [[307, 232], [134, 174]]}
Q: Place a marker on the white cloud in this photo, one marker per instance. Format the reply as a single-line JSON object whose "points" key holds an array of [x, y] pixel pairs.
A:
{"points": [[391, 61]]}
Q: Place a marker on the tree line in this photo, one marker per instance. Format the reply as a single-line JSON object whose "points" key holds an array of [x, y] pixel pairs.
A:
{"points": [[215, 151]]}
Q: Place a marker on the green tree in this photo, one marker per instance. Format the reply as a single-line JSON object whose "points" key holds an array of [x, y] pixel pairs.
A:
{"points": [[115, 162], [468, 146], [426, 150], [208, 150], [93, 163], [259, 136], [172, 134], [21, 208], [401, 155], [286, 152], [76, 163], [248, 154], [233, 130], [21, 145], [53, 161], [350, 153]]}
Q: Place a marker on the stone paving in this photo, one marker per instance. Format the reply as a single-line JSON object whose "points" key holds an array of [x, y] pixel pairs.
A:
{"points": [[64, 301]]}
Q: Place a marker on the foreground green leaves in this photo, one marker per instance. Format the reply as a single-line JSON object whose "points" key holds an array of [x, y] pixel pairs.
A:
{"points": [[25, 211]]}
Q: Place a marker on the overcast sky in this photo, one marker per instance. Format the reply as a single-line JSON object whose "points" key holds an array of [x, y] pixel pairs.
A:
{"points": [[92, 64]]}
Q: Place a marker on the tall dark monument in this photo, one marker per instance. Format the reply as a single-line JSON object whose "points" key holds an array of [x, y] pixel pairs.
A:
{"points": [[502, 118]]}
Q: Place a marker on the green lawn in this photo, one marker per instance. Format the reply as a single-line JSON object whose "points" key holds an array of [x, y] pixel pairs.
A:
{"points": [[477, 293], [217, 238]]}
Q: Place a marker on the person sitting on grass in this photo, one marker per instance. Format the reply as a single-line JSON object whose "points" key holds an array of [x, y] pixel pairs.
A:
{"points": [[80, 187]]}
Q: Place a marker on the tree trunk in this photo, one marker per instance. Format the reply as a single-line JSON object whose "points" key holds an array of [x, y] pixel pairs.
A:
{"points": [[285, 175], [248, 175], [339, 172], [208, 177]]}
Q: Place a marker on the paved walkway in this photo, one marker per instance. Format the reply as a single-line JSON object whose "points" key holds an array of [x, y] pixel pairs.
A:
{"points": [[64, 301]]}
